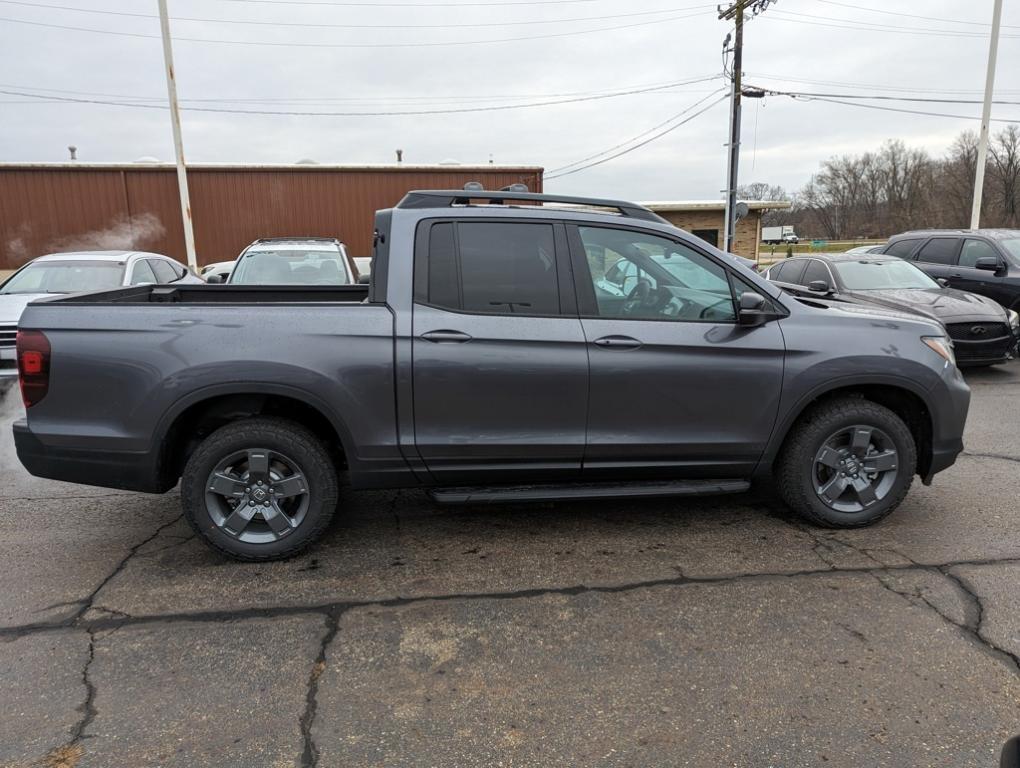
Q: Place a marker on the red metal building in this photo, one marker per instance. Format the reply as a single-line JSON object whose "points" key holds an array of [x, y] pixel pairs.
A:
{"points": [[68, 206]]}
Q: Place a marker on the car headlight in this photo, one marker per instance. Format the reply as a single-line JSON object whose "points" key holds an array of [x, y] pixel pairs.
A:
{"points": [[1014, 319], [942, 345]]}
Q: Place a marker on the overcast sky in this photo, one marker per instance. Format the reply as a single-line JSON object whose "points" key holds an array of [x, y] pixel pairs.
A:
{"points": [[573, 49]]}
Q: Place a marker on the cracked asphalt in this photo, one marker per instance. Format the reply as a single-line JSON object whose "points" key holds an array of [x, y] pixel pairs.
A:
{"points": [[716, 632]]}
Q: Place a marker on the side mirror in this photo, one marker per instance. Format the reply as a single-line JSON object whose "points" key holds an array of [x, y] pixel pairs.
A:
{"points": [[819, 286], [988, 263], [942, 281], [753, 310], [214, 279], [365, 279]]}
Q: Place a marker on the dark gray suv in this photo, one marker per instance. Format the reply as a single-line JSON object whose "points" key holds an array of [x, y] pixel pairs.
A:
{"points": [[583, 349], [984, 261]]}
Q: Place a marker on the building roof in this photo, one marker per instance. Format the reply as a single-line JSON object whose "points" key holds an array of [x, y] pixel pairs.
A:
{"points": [[681, 206], [161, 166]]}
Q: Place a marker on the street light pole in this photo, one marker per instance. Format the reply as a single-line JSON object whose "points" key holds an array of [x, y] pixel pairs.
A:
{"points": [[175, 119], [986, 116], [735, 13]]}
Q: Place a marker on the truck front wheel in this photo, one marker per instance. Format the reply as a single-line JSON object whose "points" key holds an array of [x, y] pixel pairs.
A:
{"points": [[260, 489], [848, 463]]}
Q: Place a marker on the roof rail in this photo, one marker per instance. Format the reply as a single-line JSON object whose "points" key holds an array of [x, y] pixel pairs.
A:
{"points": [[441, 198], [294, 239]]}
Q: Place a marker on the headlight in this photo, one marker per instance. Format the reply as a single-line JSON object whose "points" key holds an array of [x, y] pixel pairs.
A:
{"points": [[1014, 319], [942, 345]]}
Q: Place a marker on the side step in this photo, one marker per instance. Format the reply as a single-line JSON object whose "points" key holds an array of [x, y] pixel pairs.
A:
{"points": [[501, 494]]}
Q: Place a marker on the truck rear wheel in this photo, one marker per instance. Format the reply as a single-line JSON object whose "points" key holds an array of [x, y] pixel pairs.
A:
{"points": [[260, 489], [848, 463]]}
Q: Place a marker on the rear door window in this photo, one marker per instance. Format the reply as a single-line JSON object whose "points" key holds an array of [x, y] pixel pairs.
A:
{"points": [[493, 268], [902, 248], [939, 250]]}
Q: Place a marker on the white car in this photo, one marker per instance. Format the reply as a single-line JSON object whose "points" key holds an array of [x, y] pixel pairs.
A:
{"points": [[293, 261], [77, 272], [220, 268]]}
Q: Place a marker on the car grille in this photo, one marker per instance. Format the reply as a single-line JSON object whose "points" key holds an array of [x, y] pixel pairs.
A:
{"points": [[8, 333], [981, 341], [977, 331]]}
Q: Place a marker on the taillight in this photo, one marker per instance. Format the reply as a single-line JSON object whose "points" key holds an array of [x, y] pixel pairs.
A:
{"points": [[33, 365]]}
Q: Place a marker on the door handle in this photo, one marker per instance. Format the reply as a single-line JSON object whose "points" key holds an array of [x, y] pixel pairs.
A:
{"points": [[446, 337], [956, 275], [617, 342]]}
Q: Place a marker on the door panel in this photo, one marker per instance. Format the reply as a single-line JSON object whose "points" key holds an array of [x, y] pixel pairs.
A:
{"points": [[499, 360], [695, 399], [510, 400], [677, 388]]}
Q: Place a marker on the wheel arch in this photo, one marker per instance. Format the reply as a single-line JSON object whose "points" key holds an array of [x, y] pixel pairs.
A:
{"points": [[199, 413], [902, 397]]}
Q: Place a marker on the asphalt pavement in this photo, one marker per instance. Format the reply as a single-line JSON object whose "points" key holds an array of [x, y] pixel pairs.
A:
{"points": [[715, 632]]}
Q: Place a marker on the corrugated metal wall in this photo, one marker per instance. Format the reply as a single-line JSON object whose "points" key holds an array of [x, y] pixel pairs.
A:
{"points": [[47, 208]]}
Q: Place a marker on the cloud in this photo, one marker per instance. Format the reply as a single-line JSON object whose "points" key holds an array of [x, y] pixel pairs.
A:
{"points": [[791, 137]]}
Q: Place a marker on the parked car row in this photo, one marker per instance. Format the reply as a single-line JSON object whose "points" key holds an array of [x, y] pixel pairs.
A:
{"points": [[268, 261], [983, 332]]}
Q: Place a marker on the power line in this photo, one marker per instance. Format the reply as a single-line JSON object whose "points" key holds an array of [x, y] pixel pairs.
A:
{"points": [[856, 7], [665, 122], [872, 27], [651, 88], [877, 97], [638, 146], [394, 113], [883, 108], [876, 86], [327, 25], [264, 44]]}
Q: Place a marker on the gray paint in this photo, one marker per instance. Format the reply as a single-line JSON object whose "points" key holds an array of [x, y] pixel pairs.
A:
{"points": [[524, 398]]}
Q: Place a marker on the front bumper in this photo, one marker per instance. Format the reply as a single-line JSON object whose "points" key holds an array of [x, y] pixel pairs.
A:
{"points": [[123, 470], [949, 402]]}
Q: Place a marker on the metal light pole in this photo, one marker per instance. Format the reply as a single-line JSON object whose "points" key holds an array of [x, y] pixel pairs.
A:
{"points": [[735, 13], [175, 119], [986, 115]]}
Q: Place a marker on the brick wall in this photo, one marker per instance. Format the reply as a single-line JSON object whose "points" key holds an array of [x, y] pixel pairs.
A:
{"points": [[747, 236]]}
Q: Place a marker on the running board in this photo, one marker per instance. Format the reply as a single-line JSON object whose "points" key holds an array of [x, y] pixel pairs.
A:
{"points": [[501, 494]]}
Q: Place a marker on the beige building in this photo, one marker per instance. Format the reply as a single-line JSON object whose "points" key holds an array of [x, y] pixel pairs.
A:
{"points": [[704, 218]]}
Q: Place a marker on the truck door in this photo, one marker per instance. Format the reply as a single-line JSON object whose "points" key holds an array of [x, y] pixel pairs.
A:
{"points": [[500, 365], [677, 388]]}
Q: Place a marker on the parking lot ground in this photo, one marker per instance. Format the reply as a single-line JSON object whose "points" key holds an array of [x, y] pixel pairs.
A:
{"points": [[648, 633]]}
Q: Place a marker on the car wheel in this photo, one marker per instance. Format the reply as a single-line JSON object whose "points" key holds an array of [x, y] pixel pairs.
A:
{"points": [[260, 489], [848, 463]]}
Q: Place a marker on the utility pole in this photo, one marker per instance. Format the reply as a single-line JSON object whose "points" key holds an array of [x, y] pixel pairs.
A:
{"points": [[175, 119], [986, 116], [735, 13]]}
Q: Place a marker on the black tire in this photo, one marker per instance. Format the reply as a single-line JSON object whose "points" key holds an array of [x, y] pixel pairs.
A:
{"points": [[798, 473], [299, 448]]}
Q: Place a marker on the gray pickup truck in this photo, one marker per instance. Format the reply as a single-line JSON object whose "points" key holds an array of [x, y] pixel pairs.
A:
{"points": [[511, 347]]}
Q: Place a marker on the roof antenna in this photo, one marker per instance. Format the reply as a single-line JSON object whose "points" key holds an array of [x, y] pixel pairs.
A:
{"points": [[400, 155], [73, 150]]}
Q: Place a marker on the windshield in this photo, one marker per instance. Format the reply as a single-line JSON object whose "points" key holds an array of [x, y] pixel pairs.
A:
{"points": [[314, 266], [1012, 244], [65, 277], [881, 275]]}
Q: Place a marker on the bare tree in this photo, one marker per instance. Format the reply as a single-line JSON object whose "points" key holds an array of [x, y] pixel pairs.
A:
{"points": [[1005, 153]]}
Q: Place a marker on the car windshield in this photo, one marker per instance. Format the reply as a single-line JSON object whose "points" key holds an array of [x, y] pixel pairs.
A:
{"points": [[313, 266], [65, 277], [881, 275], [1012, 244]]}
